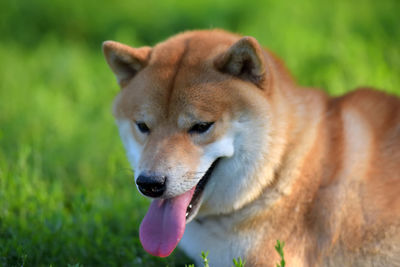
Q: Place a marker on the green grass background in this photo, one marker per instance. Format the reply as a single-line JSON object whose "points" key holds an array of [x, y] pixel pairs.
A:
{"points": [[66, 190]]}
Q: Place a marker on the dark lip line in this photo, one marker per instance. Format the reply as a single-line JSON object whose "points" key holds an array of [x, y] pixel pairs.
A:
{"points": [[200, 187]]}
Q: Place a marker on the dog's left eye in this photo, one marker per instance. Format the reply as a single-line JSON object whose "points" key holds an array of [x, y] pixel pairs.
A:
{"points": [[142, 127], [200, 127]]}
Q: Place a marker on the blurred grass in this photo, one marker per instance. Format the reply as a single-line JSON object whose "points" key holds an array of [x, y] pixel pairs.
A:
{"points": [[66, 191]]}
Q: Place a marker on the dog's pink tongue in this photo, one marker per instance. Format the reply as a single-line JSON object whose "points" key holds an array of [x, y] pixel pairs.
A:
{"points": [[163, 226]]}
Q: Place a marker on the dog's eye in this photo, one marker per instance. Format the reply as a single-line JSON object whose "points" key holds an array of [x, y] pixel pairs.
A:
{"points": [[200, 127], [142, 127]]}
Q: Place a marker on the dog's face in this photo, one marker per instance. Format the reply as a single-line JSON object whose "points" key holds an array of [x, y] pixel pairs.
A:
{"points": [[176, 133], [189, 117]]}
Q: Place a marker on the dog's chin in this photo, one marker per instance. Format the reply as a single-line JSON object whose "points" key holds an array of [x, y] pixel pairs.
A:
{"points": [[197, 198]]}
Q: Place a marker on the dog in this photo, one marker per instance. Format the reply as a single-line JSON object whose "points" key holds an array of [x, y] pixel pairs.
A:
{"points": [[236, 156]]}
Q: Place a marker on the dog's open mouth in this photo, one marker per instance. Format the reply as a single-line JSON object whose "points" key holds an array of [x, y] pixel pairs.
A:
{"points": [[164, 224], [194, 206]]}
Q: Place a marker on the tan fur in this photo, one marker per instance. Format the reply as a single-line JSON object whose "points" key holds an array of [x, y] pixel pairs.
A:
{"points": [[325, 172]]}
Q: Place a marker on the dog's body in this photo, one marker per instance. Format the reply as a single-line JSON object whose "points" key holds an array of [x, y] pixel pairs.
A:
{"points": [[276, 161]]}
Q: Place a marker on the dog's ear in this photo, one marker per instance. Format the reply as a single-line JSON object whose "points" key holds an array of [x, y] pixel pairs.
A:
{"points": [[244, 59], [125, 61]]}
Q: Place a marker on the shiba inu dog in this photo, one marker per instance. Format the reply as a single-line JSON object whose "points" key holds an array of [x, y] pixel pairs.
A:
{"points": [[235, 156]]}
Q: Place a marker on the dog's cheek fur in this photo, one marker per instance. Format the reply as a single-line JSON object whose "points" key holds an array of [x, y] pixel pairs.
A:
{"points": [[245, 143], [132, 147], [222, 148]]}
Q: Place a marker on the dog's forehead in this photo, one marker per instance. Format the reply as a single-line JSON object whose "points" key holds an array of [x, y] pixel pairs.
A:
{"points": [[180, 78], [193, 97]]}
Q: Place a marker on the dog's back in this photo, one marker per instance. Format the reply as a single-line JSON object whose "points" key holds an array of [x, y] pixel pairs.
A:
{"points": [[364, 192]]}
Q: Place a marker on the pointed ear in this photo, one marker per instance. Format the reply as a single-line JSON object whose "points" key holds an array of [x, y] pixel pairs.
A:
{"points": [[244, 59], [125, 61]]}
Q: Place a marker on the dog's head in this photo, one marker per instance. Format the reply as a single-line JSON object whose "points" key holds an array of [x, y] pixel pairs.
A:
{"points": [[193, 114]]}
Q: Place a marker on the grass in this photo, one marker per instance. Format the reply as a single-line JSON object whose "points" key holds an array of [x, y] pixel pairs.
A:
{"points": [[66, 191], [279, 248]]}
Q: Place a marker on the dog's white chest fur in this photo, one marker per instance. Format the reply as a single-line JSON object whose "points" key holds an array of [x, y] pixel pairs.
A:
{"points": [[216, 238]]}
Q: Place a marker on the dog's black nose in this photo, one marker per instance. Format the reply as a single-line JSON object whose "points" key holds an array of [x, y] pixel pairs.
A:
{"points": [[151, 185]]}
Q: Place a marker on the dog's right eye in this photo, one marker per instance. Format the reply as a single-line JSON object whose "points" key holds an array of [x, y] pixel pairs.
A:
{"points": [[142, 127], [200, 127]]}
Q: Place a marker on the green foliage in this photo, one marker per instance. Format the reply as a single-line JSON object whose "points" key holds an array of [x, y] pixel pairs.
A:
{"points": [[204, 256], [279, 248], [238, 262], [66, 190]]}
